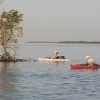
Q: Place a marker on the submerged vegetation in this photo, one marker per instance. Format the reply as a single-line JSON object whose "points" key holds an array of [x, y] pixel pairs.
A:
{"points": [[10, 31]]}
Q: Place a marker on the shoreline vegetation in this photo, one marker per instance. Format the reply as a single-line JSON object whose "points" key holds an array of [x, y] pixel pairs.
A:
{"points": [[73, 42], [10, 31]]}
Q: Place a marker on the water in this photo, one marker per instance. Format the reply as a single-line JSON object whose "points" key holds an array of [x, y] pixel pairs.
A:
{"points": [[48, 80]]}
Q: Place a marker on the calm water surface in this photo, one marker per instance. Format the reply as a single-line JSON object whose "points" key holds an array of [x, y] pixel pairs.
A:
{"points": [[48, 80]]}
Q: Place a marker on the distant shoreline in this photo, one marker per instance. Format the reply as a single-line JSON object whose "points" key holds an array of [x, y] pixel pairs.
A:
{"points": [[74, 42]]}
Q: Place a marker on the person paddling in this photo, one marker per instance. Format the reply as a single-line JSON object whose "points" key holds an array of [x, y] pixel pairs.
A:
{"points": [[56, 56], [89, 61]]}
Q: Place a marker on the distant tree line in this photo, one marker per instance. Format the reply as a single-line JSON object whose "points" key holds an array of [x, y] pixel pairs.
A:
{"points": [[84, 42]]}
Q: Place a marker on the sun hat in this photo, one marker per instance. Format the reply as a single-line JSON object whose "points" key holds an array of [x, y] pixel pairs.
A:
{"points": [[56, 52], [87, 57]]}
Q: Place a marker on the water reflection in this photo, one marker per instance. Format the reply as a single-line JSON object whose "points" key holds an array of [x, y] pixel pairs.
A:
{"points": [[8, 79], [8, 67], [89, 71]]}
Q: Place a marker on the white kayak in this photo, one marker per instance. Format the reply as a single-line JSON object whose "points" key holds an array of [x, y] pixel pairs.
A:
{"points": [[55, 60]]}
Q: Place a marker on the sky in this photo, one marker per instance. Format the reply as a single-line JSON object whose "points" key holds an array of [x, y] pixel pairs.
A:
{"points": [[58, 20]]}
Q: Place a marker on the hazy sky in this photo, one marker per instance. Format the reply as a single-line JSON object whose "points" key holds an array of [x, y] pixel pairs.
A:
{"points": [[58, 20]]}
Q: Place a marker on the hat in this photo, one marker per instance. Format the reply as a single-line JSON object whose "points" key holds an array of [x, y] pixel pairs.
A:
{"points": [[56, 52], [87, 57]]}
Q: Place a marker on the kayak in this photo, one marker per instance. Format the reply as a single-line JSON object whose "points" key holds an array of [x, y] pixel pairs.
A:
{"points": [[84, 66], [53, 60]]}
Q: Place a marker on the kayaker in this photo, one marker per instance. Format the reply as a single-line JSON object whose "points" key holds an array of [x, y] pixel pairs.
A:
{"points": [[56, 56], [89, 61]]}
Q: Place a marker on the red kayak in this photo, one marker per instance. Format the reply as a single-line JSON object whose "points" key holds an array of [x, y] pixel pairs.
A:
{"points": [[84, 66]]}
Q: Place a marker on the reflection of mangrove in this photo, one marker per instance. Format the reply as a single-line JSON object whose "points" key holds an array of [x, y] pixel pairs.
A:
{"points": [[7, 86], [7, 76]]}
